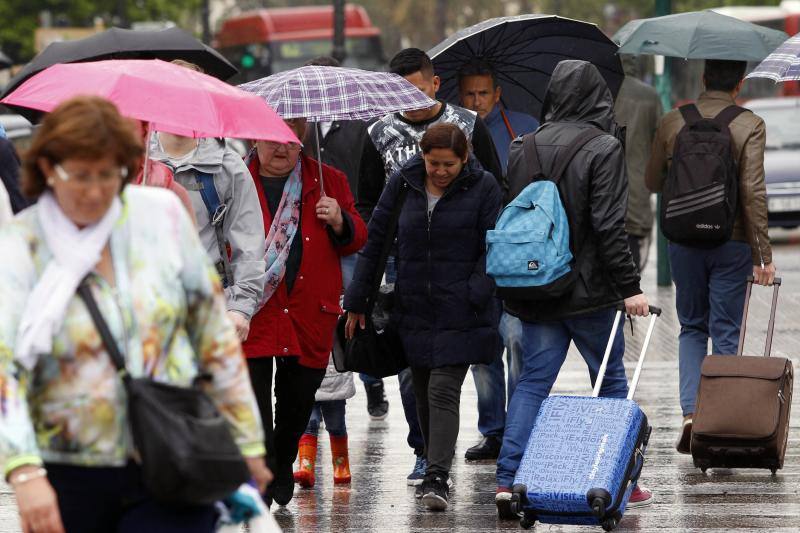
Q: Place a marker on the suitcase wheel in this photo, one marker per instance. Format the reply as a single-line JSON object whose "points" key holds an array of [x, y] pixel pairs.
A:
{"points": [[519, 497], [704, 469], [599, 500], [774, 471], [528, 520], [609, 524]]}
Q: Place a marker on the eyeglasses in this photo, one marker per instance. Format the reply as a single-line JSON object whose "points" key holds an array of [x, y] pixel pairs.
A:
{"points": [[272, 145], [83, 179]]}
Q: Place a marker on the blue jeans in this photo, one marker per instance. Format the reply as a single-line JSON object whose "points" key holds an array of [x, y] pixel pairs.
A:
{"points": [[348, 263], [544, 350], [333, 413], [709, 296], [490, 380]]}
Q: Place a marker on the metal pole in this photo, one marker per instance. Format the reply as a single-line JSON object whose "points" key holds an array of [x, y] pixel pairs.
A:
{"points": [[339, 50], [664, 87], [122, 13], [441, 19], [205, 14]]}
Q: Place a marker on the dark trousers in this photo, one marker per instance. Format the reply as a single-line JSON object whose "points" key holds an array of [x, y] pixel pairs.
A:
{"points": [[114, 500], [295, 387], [438, 395]]}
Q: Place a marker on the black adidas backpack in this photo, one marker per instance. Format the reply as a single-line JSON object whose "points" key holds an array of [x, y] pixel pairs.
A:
{"points": [[700, 195]]}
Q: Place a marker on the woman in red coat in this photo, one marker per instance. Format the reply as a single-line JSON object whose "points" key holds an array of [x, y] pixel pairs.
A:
{"points": [[309, 226]]}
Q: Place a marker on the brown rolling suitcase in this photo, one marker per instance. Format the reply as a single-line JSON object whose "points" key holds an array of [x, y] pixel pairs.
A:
{"points": [[741, 418]]}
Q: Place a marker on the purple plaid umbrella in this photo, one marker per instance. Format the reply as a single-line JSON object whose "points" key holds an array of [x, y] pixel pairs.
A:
{"points": [[781, 65], [322, 94]]}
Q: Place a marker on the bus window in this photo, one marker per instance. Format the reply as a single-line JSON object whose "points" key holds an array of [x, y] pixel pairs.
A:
{"points": [[361, 52]]}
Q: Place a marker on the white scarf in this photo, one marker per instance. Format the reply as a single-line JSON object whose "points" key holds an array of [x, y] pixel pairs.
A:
{"points": [[75, 253]]}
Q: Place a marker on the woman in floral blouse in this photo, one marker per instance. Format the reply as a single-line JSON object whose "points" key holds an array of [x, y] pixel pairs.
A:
{"points": [[64, 437]]}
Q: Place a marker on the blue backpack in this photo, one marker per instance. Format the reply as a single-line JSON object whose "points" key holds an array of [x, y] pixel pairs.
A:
{"points": [[528, 253]]}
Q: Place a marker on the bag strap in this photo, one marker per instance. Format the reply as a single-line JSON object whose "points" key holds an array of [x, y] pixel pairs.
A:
{"points": [[386, 250], [532, 160], [728, 115], [85, 294], [216, 215], [575, 146], [691, 115], [563, 161]]}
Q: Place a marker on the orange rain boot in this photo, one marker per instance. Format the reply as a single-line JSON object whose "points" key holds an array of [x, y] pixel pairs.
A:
{"points": [[307, 457], [341, 461]]}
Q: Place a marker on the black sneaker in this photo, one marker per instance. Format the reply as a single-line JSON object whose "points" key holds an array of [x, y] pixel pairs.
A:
{"points": [[487, 448], [435, 493], [418, 490], [377, 406]]}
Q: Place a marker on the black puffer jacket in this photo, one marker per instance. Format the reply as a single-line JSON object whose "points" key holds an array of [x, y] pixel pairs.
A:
{"points": [[594, 190], [445, 310]]}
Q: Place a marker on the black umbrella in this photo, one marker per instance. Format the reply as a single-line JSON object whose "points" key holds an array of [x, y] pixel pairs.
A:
{"points": [[523, 51], [118, 43]]}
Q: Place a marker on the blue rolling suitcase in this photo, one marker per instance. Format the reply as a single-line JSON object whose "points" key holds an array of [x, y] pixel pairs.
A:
{"points": [[584, 455]]}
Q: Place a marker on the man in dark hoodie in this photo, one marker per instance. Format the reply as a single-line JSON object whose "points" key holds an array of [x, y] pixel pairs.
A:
{"points": [[593, 190]]}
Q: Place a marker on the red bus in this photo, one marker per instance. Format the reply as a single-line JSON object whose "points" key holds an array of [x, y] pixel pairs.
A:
{"points": [[265, 41]]}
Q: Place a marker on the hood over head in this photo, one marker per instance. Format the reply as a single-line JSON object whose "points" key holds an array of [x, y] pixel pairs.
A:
{"points": [[206, 158], [578, 93]]}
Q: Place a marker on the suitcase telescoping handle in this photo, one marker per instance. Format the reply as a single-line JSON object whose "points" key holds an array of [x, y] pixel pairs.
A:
{"points": [[655, 312], [776, 284]]}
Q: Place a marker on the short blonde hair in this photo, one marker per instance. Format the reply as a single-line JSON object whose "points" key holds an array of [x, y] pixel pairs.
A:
{"points": [[188, 64]]}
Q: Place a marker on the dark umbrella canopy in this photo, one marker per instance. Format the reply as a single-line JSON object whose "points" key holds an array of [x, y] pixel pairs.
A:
{"points": [[523, 51], [118, 43]]}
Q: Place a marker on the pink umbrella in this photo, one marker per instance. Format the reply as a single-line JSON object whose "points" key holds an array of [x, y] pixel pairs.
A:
{"points": [[171, 98]]}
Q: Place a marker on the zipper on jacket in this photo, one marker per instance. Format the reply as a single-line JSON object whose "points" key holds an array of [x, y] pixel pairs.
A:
{"points": [[430, 260]]}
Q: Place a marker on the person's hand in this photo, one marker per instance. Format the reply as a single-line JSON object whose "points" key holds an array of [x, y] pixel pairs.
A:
{"points": [[258, 469], [637, 305], [37, 503], [765, 275], [352, 320], [241, 324], [329, 212]]}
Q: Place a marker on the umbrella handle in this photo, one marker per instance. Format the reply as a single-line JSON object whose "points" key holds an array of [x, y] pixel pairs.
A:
{"points": [[319, 159]]}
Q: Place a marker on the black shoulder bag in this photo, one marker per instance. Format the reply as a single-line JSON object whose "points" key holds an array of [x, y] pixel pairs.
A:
{"points": [[185, 447], [376, 350]]}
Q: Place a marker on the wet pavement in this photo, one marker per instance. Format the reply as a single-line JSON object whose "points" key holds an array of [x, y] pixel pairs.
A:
{"points": [[686, 500]]}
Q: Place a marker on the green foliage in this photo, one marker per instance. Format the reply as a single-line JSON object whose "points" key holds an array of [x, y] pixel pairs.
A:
{"points": [[21, 17]]}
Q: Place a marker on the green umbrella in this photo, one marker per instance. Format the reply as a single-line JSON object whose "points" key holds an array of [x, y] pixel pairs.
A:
{"points": [[698, 35]]}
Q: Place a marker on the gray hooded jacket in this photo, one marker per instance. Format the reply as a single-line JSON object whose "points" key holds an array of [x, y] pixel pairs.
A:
{"points": [[594, 191], [243, 226]]}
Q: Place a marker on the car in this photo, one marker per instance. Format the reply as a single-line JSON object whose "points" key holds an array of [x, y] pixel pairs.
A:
{"points": [[18, 130], [781, 158]]}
